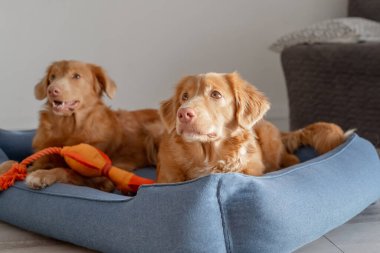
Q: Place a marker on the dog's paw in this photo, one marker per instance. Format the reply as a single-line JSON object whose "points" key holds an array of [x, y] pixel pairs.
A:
{"points": [[101, 183], [40, 179]]}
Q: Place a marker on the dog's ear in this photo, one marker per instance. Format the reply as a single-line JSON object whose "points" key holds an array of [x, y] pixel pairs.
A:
{"points": [[104, 82], [251, 104], [168, 114], [40, 89]]}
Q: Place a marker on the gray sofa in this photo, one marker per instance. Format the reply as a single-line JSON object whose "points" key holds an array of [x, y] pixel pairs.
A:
{"points": [[337, 82]]}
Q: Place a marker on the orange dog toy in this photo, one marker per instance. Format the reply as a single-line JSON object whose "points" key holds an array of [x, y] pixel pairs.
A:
{"points": [[84, 159]]}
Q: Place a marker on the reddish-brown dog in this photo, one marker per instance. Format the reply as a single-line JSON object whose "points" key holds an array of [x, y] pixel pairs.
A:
{"points": [[215, 123], [75, 113]]}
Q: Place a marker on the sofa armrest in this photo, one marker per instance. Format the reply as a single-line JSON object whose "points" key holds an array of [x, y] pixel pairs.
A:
{"points": [[335, 82], [369, 9]]}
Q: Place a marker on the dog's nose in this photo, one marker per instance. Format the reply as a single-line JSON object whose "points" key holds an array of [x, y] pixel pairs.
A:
{"points": [[54, 91], [186, 115]]}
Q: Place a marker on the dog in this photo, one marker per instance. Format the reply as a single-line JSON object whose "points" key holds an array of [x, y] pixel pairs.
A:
{"points": [[75, 113], [214, 124]]}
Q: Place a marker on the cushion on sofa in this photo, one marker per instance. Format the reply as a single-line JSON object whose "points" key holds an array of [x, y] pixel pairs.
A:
{"points": [[278, 212], [338, 30]]}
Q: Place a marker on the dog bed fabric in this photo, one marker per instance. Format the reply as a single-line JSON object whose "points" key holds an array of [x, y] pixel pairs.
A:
{"points": [[278, 212]]}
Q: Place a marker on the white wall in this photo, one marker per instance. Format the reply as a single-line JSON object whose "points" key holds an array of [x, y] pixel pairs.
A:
{"points": [[146, 46]]}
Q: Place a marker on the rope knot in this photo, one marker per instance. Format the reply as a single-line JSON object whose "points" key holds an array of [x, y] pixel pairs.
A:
{"points": [[16, 172]]}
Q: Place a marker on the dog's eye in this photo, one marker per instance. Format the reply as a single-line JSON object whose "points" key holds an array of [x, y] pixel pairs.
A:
{"points": [[76, 76], [185, 96], [216, 94], [50, 79]]}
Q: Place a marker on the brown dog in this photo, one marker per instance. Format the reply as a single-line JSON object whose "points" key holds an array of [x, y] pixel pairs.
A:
{"points": [[215, 124], [75, 113]]}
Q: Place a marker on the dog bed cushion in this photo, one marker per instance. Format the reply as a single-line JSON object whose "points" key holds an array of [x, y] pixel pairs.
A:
{"points": [[278, 212]]}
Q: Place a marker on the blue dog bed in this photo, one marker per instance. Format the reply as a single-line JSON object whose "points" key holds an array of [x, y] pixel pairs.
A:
{"points": [[278, 212]]}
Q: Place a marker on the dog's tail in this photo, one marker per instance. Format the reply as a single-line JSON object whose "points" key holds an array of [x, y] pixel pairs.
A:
{"points": [[322, 136]]}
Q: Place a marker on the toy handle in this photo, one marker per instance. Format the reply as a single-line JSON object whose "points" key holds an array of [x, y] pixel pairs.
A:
{"points": [[126, 181], [91, 162]]}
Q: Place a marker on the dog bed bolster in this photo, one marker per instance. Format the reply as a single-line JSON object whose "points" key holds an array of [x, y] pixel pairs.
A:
{"points": [[278, 212]]}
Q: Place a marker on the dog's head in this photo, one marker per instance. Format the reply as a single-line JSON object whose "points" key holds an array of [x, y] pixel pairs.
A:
{"points": [[71, 85], [210, 106]]}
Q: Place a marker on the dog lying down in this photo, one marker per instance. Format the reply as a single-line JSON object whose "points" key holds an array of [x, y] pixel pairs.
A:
{"points": [[75, 113], [215, 124]]}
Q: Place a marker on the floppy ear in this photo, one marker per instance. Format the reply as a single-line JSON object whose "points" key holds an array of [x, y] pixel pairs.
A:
{"points": [[104, 82], [168, 114], [40, 89], [251, 104]]}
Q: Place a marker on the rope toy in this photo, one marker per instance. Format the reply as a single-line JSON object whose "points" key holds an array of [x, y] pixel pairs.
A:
{"points": [[84, 159]]}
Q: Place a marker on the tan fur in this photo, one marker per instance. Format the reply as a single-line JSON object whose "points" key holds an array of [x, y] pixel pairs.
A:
{"points": [[129, 138], [322, 136], [224, 133]]}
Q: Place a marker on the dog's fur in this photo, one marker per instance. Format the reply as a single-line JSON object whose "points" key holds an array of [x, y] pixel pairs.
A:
{"points": [[215, 123], [75, 113]]}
